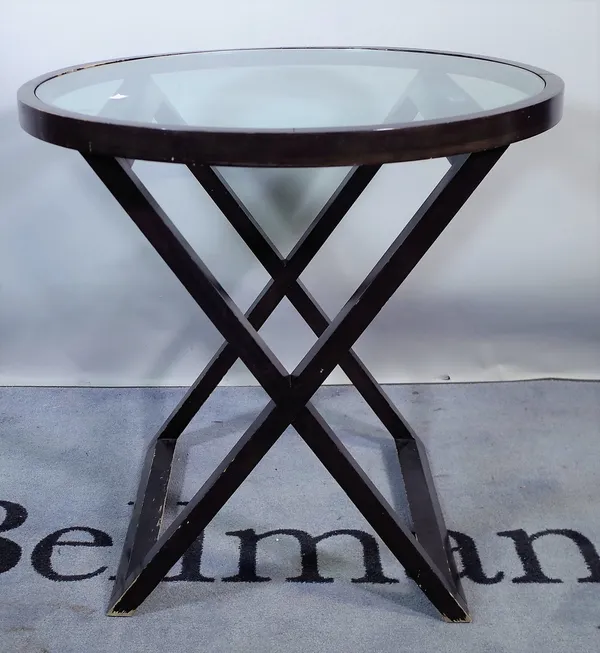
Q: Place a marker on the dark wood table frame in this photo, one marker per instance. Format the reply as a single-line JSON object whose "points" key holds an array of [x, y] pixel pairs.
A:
{"points": [[423, 548]]}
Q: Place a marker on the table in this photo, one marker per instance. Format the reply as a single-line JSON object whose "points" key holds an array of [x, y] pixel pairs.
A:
{"points": [[291, 107]]}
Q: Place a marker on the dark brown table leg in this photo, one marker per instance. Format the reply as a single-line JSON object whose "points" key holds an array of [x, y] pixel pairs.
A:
{"points": [[147, 557]]}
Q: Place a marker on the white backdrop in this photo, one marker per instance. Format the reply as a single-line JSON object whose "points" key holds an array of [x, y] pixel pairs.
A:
{"points": [[510, 291]]}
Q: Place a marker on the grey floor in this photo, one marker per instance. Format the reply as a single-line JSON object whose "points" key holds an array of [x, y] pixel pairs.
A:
{"points": [[511, 461]]}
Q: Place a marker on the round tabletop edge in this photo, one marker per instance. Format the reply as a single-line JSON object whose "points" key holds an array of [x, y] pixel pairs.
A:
{"points": [[304, 147]]}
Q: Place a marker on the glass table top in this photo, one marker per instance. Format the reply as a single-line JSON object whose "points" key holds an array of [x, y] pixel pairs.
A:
{"points": [[290, 89]]}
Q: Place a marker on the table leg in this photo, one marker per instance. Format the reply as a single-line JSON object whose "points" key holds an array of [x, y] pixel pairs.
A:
{"points": [[291, 394]]}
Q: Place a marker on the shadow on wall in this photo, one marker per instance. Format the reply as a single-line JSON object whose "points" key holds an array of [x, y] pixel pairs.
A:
{"points": [[453, 339], [78, 278]]}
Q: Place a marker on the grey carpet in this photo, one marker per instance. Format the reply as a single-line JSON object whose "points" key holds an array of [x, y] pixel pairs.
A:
{"points": [[510, 461]]}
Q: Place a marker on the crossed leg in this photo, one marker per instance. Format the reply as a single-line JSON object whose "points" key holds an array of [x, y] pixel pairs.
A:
{"points": [[145, 563]]}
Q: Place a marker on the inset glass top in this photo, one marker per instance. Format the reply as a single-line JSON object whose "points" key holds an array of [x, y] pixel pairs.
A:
{"points": [[290, 89]]}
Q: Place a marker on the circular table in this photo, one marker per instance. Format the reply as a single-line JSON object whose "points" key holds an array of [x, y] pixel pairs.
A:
{"points": [[291, 107]]}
